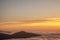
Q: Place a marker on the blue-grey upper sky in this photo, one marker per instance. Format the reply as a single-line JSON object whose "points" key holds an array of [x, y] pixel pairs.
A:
{"points": [[29, 9]]}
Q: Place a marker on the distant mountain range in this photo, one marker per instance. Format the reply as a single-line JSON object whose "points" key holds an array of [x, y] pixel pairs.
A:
{"points": [[21, 34]]}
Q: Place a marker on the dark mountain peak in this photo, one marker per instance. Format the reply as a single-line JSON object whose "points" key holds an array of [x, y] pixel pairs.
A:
{"points": [[23, 34], [23, 31], [20, 32]]}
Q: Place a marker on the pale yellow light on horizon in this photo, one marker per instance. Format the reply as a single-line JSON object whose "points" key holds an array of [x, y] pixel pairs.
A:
{"points": [[45, 25]]}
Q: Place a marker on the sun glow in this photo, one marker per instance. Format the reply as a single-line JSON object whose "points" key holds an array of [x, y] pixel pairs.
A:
{"points": [[50, 23]]}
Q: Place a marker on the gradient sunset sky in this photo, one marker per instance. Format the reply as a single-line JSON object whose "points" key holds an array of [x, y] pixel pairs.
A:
{"points": [[30, 15]]}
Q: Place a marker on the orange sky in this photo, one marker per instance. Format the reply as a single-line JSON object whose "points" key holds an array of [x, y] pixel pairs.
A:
{"points": [[33, 15], [48, 24]]}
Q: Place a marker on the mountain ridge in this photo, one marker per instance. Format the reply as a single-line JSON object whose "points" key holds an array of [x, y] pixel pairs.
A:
{"points": [[21, 34]]}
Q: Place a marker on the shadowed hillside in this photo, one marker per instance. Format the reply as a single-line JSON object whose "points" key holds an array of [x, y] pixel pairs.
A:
{"points": [[21, 34], [4, 36]]}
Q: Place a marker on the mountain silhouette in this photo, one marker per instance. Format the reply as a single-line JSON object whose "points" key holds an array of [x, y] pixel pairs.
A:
{"points": [[21, 34], [4, 36]]}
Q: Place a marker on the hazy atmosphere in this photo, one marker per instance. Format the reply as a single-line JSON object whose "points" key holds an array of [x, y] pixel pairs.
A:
{"points": [[29, 9], [30, 15]]}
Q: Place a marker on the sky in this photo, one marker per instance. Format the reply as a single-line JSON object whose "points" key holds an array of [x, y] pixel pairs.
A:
{"points": [[29, 9], [37, 26], [33, 15]]}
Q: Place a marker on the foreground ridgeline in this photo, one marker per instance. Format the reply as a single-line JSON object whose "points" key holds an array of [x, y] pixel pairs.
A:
{"points": [[20, 34]]}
